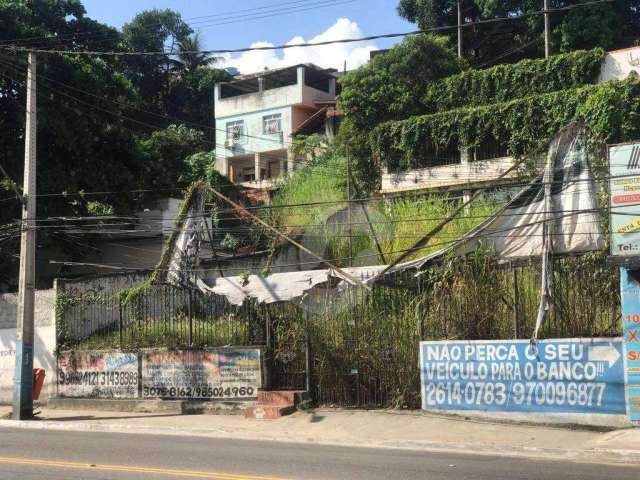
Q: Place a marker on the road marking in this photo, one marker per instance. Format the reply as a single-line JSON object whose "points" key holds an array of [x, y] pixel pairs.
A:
{"points": [[132, 469]]}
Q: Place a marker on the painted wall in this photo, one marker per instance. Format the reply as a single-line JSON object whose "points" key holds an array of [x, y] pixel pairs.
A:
{"points": [[619, 64], [45, 342], [445, 175], [255, 140]]}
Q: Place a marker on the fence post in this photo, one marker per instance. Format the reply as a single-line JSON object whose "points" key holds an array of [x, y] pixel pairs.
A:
{"points": [[269, 349], [516, 309], [190, 313], [120, 320]]}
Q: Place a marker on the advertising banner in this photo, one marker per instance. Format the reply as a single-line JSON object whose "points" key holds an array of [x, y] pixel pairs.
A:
{"points": [[564, 375], [98, 375], [624, 186], [227, 374], [630, 297]]}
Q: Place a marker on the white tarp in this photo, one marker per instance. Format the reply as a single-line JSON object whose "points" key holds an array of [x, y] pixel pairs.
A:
{"points": [[279, 287], [569, 216]]}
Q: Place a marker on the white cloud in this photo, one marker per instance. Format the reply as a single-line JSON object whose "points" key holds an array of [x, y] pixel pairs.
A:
{"points": [[327, 56]]}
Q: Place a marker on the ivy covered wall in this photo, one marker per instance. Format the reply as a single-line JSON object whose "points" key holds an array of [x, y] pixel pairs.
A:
{"points": [[511, 81], [402, 115], [611, 110]]}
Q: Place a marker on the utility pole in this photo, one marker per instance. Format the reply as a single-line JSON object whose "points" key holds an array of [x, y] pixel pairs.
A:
{"points": [[349, 205], [23, 388], [460, 29], [547, 30]]}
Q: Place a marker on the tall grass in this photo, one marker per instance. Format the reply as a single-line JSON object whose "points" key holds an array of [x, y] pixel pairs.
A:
{"points": [[320, 181]]}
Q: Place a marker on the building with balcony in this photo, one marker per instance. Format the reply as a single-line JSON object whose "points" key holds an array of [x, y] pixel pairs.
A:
{"points": [[256, 115], [461, 170]]}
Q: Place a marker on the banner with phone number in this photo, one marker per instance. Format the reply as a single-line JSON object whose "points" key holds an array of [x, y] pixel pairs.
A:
{"points": [[233, 374], [559, 375]]}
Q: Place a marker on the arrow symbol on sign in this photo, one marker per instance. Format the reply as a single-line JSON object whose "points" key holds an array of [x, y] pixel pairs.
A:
{"points": [[605, 353]]}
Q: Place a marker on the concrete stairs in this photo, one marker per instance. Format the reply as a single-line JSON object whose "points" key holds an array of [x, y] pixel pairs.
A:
{"points": [[274, 404]]}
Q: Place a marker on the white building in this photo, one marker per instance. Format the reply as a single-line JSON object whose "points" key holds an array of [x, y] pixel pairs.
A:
{"points": [[256, 115]]}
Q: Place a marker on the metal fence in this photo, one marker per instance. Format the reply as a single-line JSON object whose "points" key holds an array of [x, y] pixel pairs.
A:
{"points": [[365, 353], [156, 316]]}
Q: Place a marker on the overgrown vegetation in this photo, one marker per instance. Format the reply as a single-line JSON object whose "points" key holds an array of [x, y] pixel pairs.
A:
{"points": [[375, 334], [109, 124], [611, 111], [506, 82]]}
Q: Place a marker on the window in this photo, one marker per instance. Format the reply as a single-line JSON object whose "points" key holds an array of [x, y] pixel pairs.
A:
{"points": [[235, 132], [272, 124]]}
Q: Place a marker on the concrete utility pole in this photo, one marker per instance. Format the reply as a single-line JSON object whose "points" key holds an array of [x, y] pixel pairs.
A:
{"points": [[460, 29], [547, 30], [23, 388]]}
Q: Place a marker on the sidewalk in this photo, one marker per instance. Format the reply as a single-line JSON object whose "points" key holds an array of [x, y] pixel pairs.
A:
{"points": [[358, 428]]}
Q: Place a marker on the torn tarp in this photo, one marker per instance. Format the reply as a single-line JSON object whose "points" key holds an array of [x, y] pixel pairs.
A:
{"points": [[567, 217], [279, 287]]}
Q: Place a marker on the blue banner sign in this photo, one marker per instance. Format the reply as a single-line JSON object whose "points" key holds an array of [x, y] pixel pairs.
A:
{"points": [[565, 375], [630, 296]]}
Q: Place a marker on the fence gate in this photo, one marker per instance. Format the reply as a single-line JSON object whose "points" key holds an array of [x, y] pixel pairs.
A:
{"points": [[288, 360]]}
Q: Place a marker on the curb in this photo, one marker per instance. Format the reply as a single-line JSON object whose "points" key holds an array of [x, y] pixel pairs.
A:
{"points": [[595, 455]]}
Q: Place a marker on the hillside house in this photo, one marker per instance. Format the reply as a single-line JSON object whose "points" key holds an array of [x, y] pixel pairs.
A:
{"points": [[257, 114]]}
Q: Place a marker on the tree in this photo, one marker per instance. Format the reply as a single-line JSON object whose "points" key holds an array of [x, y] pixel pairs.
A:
{"points": [[608, 25], [154, 31], [387, 88], [189, 54]]}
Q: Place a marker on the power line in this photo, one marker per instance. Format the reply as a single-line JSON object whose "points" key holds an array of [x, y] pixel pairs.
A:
{"points": [[233, 16], [267, 156], [312, 44]]}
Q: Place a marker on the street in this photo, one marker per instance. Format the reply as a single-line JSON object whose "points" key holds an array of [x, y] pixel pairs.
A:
{"points": [[47, 454]]}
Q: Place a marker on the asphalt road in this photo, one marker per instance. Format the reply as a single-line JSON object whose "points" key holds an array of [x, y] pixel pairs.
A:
{"points": [[65, 455]]}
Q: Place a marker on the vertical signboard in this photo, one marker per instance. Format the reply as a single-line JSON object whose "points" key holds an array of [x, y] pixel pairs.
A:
{"points": [[563, 375], [624, 187], [630, 296]]}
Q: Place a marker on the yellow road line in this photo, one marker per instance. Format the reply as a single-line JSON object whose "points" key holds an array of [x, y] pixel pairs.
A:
{"points": [[132, 469]]}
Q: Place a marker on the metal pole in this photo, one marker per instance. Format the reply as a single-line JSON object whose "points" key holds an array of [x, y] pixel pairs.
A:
{"points": [[349, 206], [23, 389], [120, 320], [190, 314], [459, 29], [547, 30], [516, 306]]}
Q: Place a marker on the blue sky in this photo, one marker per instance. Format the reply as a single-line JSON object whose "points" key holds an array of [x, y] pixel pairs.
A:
{"points": [[282, 22]]}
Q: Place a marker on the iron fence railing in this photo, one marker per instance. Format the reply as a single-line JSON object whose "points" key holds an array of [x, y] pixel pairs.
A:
{"points": [[365, 353]]}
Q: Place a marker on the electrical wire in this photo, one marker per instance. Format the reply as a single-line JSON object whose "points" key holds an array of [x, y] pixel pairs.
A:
{"points": [[222, 19], [312, 44]]}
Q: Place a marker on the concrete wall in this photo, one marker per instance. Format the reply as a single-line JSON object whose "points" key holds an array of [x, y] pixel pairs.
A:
{"points": [[255, 102], [446, 175], [45, 342], [254, 140], [619, 64]]}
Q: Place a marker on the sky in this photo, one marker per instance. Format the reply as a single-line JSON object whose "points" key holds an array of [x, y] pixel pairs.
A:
{"points": [[244, 23]]}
